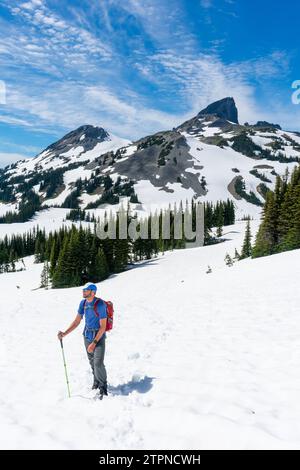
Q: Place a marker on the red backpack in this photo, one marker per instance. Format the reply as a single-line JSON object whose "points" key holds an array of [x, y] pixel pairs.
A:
{"points": [[109, 311]]}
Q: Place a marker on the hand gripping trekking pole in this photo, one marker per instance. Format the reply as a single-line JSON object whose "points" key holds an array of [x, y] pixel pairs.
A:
{"points": [[62, 349]]}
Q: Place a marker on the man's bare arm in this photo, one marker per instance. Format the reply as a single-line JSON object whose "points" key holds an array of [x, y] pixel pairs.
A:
{"points": [[72, 327], [102, 329]]}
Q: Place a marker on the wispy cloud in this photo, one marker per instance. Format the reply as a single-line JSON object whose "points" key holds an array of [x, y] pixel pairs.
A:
{"points": [[14, 121], [207, 78], [134, 67], [59, 30], [41, 42], [69, 107]]}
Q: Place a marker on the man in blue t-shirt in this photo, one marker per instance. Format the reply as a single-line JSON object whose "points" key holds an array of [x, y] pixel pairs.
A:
{"points": [[94, 334]]}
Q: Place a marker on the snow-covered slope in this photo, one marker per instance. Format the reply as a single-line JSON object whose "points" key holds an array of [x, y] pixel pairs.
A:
{"points": [[209, 362]]}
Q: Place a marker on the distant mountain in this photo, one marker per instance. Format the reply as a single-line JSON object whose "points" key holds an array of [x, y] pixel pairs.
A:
{"points": [[209, 157]]}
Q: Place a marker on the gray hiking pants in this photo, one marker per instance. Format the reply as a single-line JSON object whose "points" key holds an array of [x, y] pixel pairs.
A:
{"points": [[97, 361]]}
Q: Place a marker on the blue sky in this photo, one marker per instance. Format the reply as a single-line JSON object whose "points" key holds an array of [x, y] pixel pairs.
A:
{"points": [[140, 66]]}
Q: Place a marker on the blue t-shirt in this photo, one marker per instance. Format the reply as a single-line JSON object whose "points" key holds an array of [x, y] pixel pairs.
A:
{"points": [[92, 322]]}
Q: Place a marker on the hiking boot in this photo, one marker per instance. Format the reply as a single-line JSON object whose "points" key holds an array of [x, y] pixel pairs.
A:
{"points": [[95, 384], [102, 391]]}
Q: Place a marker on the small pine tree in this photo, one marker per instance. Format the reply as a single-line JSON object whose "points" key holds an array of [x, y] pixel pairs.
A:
{"points": [[228, 260], [45, 275], [219, 231], [247, 248]]}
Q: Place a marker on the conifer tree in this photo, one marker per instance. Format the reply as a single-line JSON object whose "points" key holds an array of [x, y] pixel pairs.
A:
{"points": [[267, 235], [101, 266], [228, 260], [247, 248], [219, 230], [53, 257], [62, 274], [45, 275], [236, 255]]}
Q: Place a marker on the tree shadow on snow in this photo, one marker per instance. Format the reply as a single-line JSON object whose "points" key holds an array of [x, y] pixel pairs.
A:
{"points": [[143, 385]]}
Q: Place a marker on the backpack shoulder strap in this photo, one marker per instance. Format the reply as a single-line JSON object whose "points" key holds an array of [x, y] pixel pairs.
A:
{"points": [[95, 306]]}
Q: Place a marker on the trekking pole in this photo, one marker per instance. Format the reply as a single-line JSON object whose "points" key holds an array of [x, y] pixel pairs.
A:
{"points": [[62, 349]]}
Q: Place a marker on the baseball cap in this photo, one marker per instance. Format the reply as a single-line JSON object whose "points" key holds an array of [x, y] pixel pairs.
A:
{"points": [[90, 286]]}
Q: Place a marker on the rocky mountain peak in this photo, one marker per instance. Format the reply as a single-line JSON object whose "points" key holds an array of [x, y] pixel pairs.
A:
{"points": [[86, 136], [224, 109]]}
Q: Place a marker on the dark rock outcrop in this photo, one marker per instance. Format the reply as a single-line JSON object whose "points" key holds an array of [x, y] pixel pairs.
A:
{"points": [[224, 109], [267, 124]]}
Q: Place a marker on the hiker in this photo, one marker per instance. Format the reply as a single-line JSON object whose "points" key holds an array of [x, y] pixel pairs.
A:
{"points": [[94, 334]]}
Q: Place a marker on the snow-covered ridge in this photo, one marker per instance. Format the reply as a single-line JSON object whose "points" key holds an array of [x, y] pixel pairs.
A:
{"points": [[208, 158], [50, 160]]}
